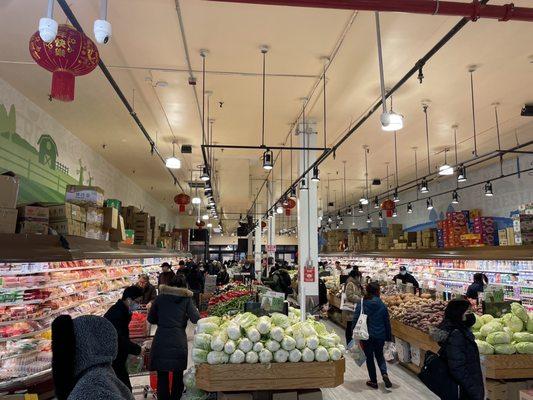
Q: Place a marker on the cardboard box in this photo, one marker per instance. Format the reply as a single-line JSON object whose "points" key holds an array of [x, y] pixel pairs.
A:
{"points": [[415, 355], [68, 227], [285, 395], [85, 196], [526, 394], [313, 394], [8, 220], [119, 234], [95, 232], [403, 349], [33, 227], [234, 396], [9, 191], [33, 213], [95, 216], [67, 211], [110, 218]]}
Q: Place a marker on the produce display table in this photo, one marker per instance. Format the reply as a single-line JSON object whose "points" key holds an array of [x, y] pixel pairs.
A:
{"points": [[498, 366], [334, 301], [286, 376]]}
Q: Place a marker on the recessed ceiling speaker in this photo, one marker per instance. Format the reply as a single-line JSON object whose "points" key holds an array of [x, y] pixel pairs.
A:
{"points": [[376, 182], [527, 111], [186, 149]]}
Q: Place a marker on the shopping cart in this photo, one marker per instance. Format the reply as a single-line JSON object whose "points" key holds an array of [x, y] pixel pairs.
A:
{"points": [[140, 333]]}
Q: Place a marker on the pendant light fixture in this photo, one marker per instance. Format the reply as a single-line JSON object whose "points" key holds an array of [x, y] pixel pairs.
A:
{"points": [[376, 203], [315, 177], [204, 176], [394, 213], [349, 212], [429, 204], [445, 169], [364, 199], [368, 219], [390, 121], [196, 200], [279, 209], [360, 208], [268, 158], [173, 162], [341, 221], [205, 217], [380, 215], [395, 198], [409, 208], [455, 197], [329, 220], [461, 173], [424, 188], [338, 215], [488, 189]]}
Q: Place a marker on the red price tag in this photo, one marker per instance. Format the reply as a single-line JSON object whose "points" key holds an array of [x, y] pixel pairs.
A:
{"points": [[309, 274]]}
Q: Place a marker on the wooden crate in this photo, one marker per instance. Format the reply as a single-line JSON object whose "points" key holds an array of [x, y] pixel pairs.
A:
{"points": [[413, 336], [513, 366], [286, 376], [334, 301]]}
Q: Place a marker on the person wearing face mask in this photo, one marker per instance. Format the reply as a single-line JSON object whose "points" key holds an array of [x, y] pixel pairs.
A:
{"points": [[405, 277], [478, 286], [120, 316], [459, 349]]}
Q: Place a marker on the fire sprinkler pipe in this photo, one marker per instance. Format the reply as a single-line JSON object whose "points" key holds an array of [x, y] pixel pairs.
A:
{"points": [[473, 11]]}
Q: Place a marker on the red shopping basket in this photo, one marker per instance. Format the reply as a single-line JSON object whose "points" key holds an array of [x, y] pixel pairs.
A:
{"points": [[153, 381]]}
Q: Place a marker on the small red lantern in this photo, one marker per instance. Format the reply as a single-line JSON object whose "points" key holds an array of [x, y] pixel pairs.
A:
{"points": [[263, 224], [69, 55], [388, 206], [200, 224], [182, 200], [288, 204]]}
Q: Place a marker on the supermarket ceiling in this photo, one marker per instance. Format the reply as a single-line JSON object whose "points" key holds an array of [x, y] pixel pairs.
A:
{"points": [[147, 58]]}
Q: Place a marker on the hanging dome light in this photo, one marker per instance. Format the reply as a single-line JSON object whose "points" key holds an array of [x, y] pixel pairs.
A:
{"points": [[341, 221], [461, 173], [390, 121], [338, 215], [368, 219], [409, 208], [380, 216], [349, 211], [196, 200], [376, 202], [316, 177], [455, 197], [488, 189], [204, 177], [395, 197], [211, 201], [363, 200], [360, 208], [329, 220], [279, 209], [445, 169], [429, 204], [424, 188], [205, 217], [209, 225], [394, 213], [267, 160], [173, 162]]}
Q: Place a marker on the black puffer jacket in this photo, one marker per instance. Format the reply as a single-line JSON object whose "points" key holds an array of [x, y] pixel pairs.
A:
{"points": [[462, 355], [170, 311]]}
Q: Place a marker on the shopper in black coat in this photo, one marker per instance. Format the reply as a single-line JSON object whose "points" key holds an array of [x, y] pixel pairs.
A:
{"points": [[223, 276], [405, 277], [478, 286], [149, 290], [459, 349], [167, 275], [171, 311], [120, 316], [195, 281]]}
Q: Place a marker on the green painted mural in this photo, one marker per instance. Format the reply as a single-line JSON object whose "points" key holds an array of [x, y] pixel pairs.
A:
{"points": [[42, 176]]}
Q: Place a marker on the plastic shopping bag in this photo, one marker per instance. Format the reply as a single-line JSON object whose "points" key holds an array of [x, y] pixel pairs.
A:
{"points": [[389, 351], [356, 352], [360, 330]]}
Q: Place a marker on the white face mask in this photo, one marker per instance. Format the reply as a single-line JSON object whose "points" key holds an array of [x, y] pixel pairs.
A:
{"points": [[403, 272]]}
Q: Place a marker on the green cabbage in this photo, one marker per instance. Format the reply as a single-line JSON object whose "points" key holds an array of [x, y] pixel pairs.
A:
{"points": [[272, 345], [211, 320], [263, 325], [530, 322], [504, 349], [258, 347], [514, 323], [202, 341], [218, 341], [524, 347], [490, 328], [484, 348], [312, 342], [519, 310], [217, 357], [320, 328], [479, 323], [498, 338], [280, 320], [486, 318], [245, 345], [245, 320], [234, 331], [334, 354], [230, 347], [207, 327], [277, 334], [199, 356], [523, 337], [253, 334], [478, 335], [288, 343], [308, 355], [189, 378], [327, 341]]}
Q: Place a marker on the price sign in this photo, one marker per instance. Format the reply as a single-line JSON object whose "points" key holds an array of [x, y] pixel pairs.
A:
{"points": [[271, 248], [309, 274]]}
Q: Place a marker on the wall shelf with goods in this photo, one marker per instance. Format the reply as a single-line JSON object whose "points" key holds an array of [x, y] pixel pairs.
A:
{"points": [[450, 271], [41, 279]]}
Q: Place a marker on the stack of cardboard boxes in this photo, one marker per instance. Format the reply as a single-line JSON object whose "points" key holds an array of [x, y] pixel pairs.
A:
{"points": [[9, 189], [68, 219], [426, 239], [91, 199], [33, 219], [523, 225], [466, 229]]}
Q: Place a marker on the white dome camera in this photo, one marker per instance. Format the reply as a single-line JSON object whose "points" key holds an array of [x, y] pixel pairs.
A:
{"points": [[102, 31], [47, 29]]}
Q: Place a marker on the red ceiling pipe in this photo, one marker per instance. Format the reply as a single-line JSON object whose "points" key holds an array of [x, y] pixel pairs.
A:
{"points": [[474, 10]]}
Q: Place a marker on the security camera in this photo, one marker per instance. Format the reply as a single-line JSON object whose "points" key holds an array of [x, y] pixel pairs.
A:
{"points": [[47, 29], [102, 31]]}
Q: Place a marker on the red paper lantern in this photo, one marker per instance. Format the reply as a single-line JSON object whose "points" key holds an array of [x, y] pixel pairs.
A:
{"points": [[263, 224], [388, 206], [200, 224], [288, 204], [69, 55], [182, 200]]}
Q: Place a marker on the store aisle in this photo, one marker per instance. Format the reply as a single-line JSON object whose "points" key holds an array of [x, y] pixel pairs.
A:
{"points": [[406, 385]]}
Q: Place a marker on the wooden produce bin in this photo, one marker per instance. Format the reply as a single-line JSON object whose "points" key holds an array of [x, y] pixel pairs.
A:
{"points": [[334, 300], [286, 376]]}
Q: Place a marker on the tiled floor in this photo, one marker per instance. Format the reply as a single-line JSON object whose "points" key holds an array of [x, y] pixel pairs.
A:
{"points": [[406, 385]]}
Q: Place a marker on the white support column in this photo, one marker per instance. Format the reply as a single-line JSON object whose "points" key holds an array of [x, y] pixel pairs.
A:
{"points": [[307, 219], [257, 251], [271, 239]]}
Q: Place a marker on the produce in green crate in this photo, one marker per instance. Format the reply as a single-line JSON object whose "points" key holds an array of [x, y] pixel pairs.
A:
{"points": [[524, 347], [504, 349]]}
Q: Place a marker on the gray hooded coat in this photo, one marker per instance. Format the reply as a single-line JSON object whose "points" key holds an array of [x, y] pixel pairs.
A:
{"points": [[95, 344], [171, 311]]}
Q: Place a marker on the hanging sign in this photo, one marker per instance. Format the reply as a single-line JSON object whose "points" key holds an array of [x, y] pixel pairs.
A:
{"points": [[271, 248], [309, 274]]}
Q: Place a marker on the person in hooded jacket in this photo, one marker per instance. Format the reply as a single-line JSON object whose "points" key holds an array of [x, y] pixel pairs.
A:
{"points": [[120, 316], [379, 330], [82, 352], [459, 349], [353, 291], [171, 311]]}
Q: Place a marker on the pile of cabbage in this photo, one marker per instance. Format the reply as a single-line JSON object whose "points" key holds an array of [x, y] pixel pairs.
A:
{"points": [[510, 334], [279, 338]]}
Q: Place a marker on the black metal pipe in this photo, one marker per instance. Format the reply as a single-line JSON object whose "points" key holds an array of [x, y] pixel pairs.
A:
{"points": [[74, 21], [261, 147], [418, 65]]}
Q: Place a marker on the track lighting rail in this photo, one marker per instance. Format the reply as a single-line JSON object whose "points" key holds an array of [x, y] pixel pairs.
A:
{"points": [[263, 147]]}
